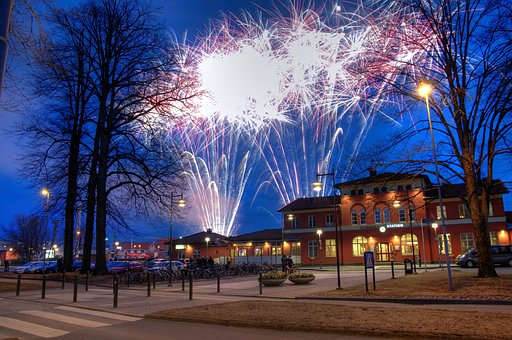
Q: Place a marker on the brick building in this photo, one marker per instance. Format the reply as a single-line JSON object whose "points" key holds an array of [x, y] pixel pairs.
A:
{"points": [[390, 214]]}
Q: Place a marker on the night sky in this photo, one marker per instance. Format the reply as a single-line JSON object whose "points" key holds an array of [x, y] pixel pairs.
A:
{"points": [[180, 16]]}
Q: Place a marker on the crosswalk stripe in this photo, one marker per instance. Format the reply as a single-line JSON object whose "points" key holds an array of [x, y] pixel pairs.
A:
{"points": [[65, 318], [31, 328], [98, 313]]}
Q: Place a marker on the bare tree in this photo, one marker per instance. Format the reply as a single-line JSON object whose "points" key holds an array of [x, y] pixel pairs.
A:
{"points": [[28, 234], [107, 66], [466, 58]]}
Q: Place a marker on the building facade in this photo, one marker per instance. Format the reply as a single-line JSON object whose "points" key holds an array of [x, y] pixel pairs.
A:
{"points": [[389, 214]]}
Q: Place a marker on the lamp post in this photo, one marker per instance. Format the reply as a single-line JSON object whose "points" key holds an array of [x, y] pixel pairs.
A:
{"points": [[424, 91], [397, 204], [207, 240], [181, 203], [435, 226], [319, 232], [317, 186], [46, 193]]}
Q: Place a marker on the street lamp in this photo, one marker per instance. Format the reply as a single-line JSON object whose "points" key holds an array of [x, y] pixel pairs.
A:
{"points": [[435, 226], [424, 91], [207, 240], [181, 203], [317, 186], [319, 232], [397, 204], [46, 193]]}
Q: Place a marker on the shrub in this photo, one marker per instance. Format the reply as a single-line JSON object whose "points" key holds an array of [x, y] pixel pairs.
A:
{"points": [[273, 275], [302, 275]]}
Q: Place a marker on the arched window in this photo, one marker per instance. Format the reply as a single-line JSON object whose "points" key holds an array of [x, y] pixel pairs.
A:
{"points": [[358, 214], [386, 215], [359, 244], [378, 215], [362, 216], [406, 244]]}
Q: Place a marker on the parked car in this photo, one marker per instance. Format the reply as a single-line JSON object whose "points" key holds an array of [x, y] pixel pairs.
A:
{"points": [[500, 255], [28, 267], [164, 264], [77, 265], [46, 267], [122, 266]]}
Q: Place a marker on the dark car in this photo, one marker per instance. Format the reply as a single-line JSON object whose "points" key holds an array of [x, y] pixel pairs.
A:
{"points": [[500, 255], [47, 267], [77, 265]]}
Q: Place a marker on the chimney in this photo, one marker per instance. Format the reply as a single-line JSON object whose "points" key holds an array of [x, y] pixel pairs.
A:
{"points": [[373, 172]]}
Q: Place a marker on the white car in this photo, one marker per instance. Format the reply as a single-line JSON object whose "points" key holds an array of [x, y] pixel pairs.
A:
{"points": [[29, 267]]}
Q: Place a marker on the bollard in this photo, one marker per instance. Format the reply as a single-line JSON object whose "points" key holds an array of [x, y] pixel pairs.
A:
{"points": [[218, 283], [63, 279], [75, 287], [183, 280], [154, 281], [149, 284], [261, 283], [115, 286], [190, 280], [43, 287], [87, 281], [393, 269], [18, 285]]}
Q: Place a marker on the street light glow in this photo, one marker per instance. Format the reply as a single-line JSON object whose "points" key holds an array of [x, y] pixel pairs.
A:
{"points": [[424, 90], [181, 203], [317, 186]]}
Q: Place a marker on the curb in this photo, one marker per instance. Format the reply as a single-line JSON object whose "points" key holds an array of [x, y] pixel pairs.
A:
{"points": [[411, 301]]}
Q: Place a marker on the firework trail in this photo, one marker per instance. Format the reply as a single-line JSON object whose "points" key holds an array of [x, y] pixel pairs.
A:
{"points": [[298, 89]]}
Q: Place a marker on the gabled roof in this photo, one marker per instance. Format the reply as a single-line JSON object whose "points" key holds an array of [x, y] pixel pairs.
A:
{"points": [[459, 189], [385, 177], [262, 235], [199, 238], [310, 203]]}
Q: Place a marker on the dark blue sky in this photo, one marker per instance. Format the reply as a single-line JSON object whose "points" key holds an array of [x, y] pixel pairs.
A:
{"points": [[181, 16]]}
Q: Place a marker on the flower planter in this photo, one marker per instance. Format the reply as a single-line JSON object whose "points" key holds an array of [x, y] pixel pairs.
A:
{"points": [[301, 280], [273, 282]]}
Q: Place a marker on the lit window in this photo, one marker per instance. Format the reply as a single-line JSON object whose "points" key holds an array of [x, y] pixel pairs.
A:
{"points": [[493, 235], [406, 244], [330, 248], [438, 211], [359, 244], [441, 244]]}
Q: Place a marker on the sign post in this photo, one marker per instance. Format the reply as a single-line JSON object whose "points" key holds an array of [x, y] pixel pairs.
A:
{"points": [[369, 262]]}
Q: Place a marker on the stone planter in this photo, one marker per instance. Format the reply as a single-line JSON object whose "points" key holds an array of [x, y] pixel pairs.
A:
{"points": [[301, 280], [273, 282]]}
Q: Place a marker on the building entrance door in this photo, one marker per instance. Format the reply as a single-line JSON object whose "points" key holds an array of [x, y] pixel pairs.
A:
{"points": [[384, 251]]}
